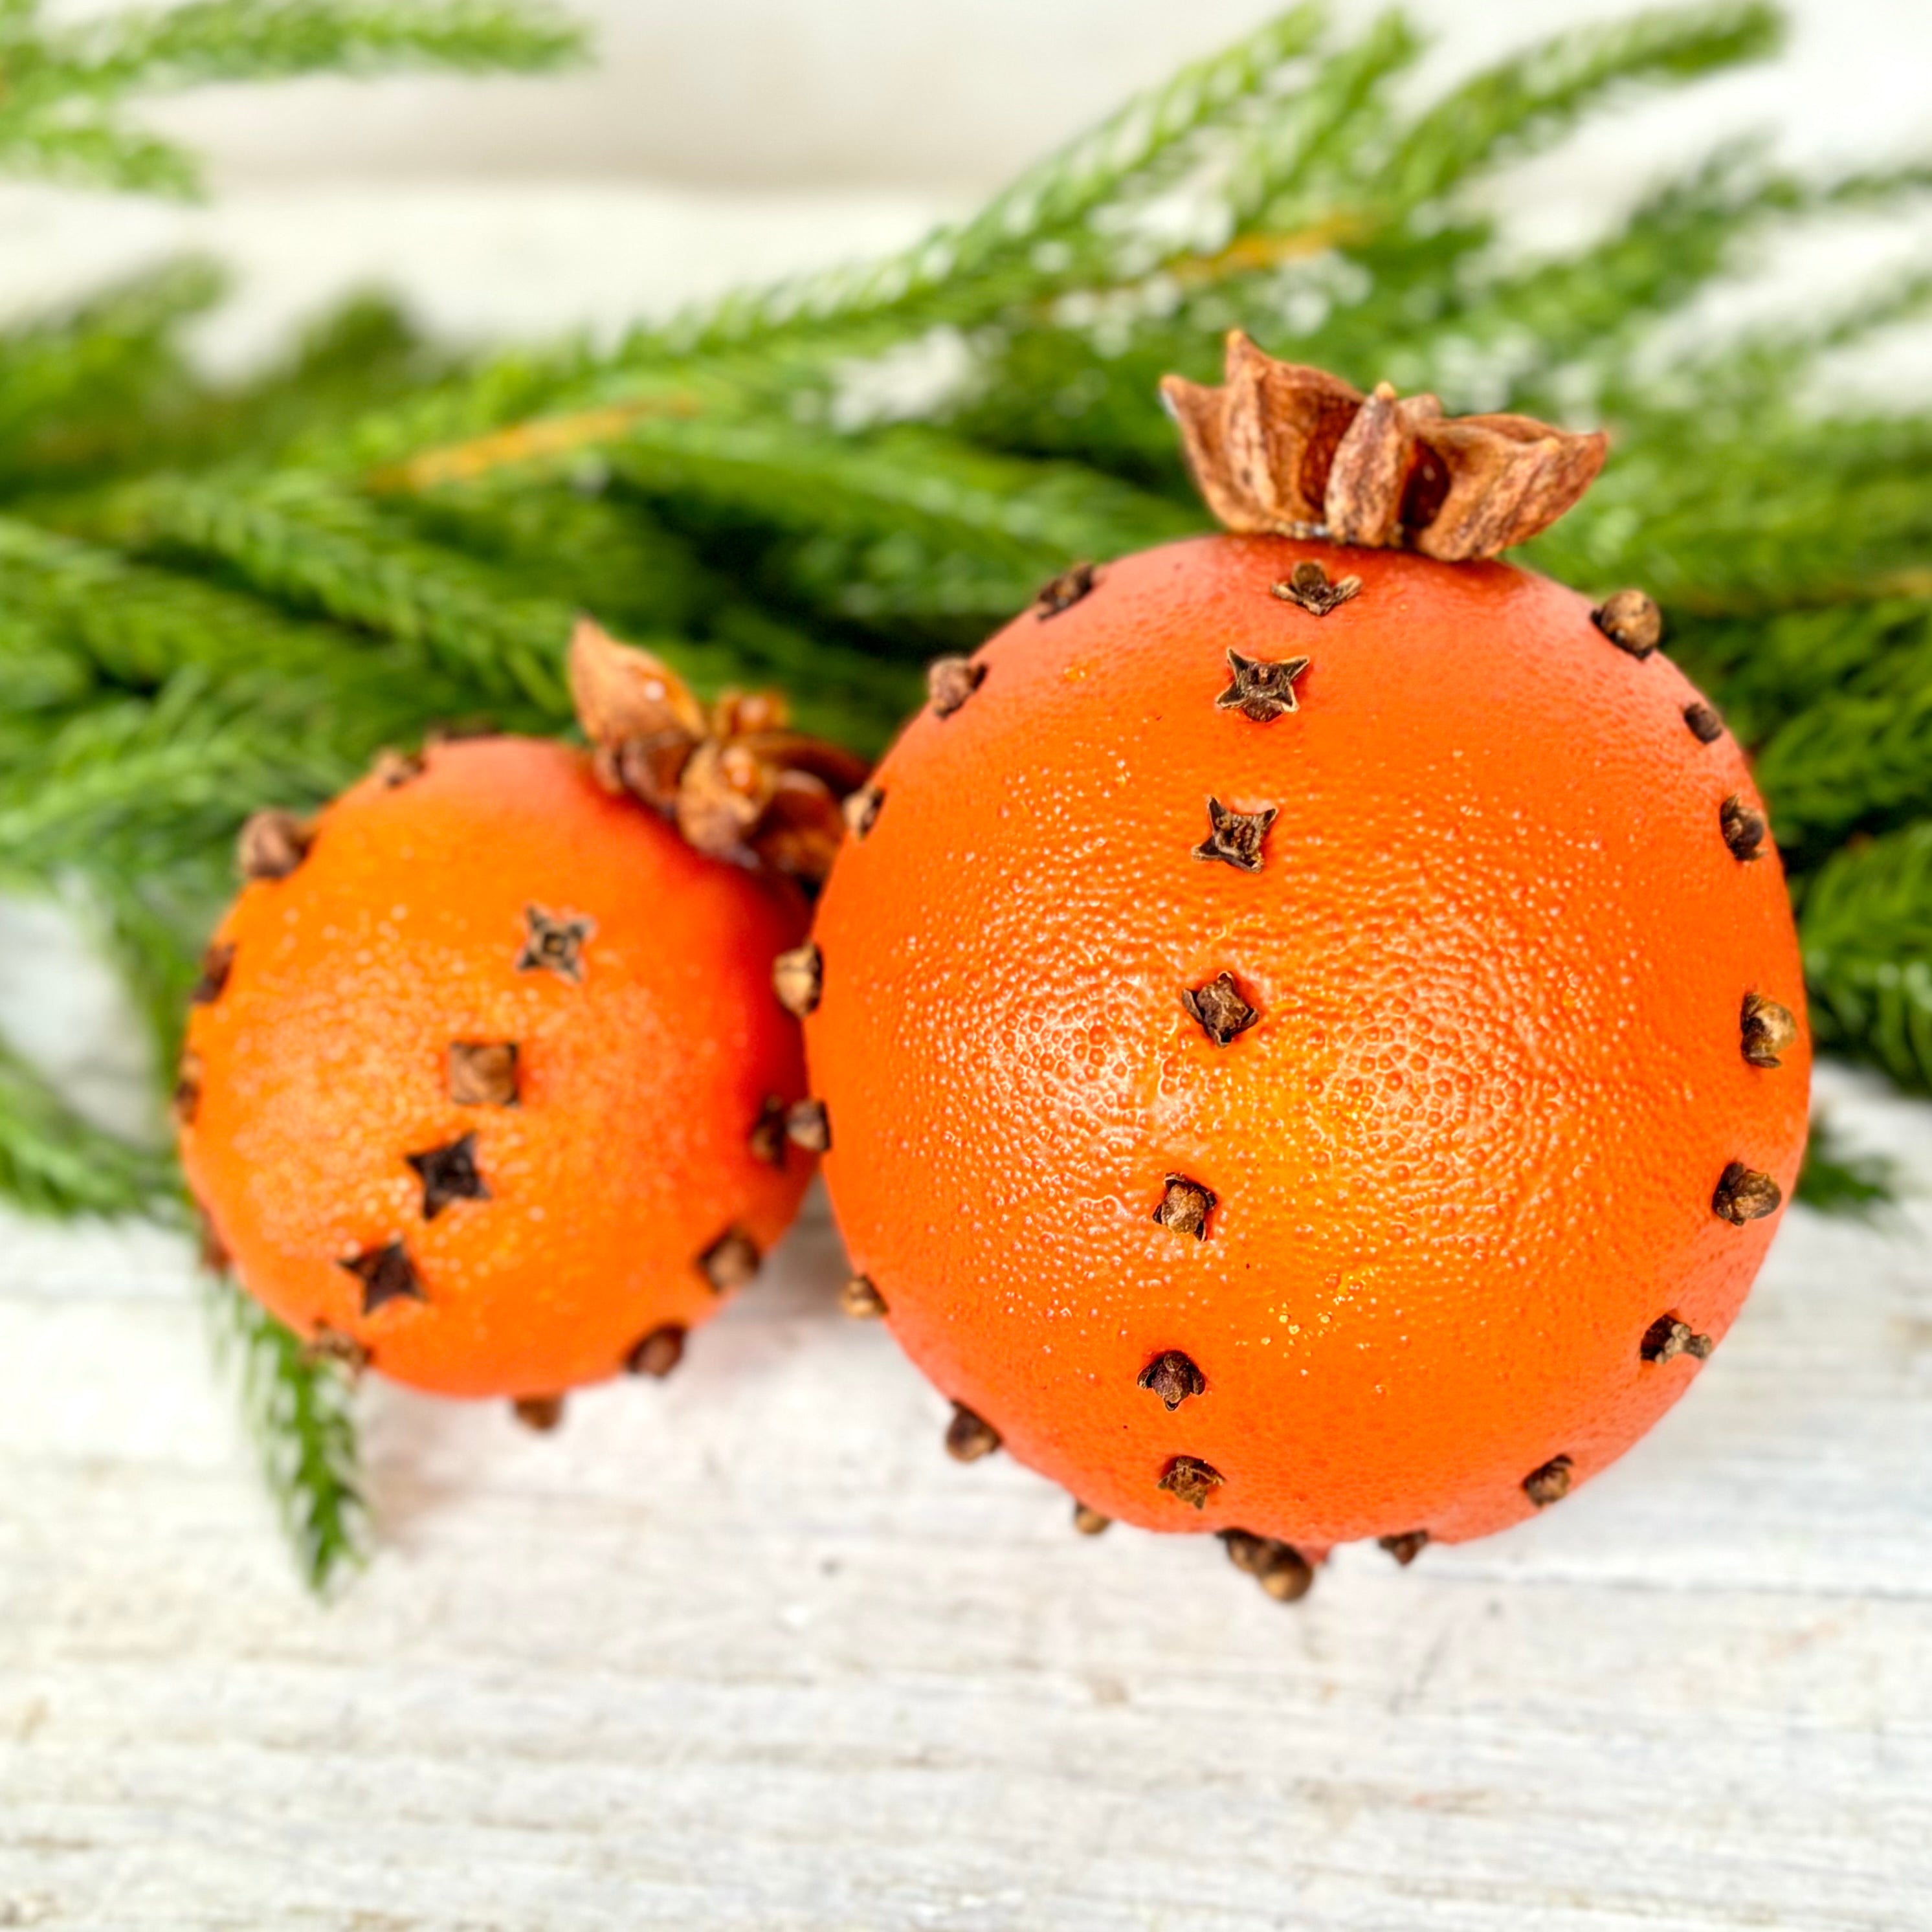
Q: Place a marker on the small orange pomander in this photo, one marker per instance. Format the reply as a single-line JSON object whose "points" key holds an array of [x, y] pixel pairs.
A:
{"points": [[1313, 1033], [485, 1081]]}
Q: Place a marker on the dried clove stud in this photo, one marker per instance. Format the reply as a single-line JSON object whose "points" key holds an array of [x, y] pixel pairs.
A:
{"points": [[217, 963], [1766, 1030], [766, 1140], [1185, 1206], [1706, 726], [731, 1261], [968, 1436], [1631, 621], [542, 1413], [387, 1274], [1190, 1480], [1743, 1194], [1260, 689], [798, 977], [861, 1299], [1280, 1568], [211, 1253], [393, 768], [1219, 1010], [658, 1353], [449, 1173], [1406, 1547], [481, 1072], [949, 682], [185, 1102], [272, 844], [330, 1345], [1551, 1482], [1089, 1521], [861, 809], [1743, 828], [1173, 1377], [1065, 591], [554, 943], [809, 1125], [1669, 1336], [1307, 585], [1235, 838]]}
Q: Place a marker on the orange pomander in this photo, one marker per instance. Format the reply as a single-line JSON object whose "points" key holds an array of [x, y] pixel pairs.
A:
{"points": [[476, 1076], [1312, 1035]]}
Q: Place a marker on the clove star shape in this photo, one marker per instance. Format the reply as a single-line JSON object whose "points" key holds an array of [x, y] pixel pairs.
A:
{"points": [[386, 1274], [449, 1173], [1262, 690], [1235, 837], [554, 943]]}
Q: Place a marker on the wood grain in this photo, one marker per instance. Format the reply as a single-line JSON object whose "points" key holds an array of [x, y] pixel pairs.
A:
{"points": [[744, 1650]]}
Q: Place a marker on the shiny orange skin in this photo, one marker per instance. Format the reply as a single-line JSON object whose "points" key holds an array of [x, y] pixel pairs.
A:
{"points": [[1466, 1156], [323, 1064]]}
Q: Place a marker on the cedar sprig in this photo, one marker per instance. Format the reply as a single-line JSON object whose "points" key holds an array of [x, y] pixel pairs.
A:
{"points": [[906, 524], [70, 378], [53, 1161], [68, 83], [1865, 920], [945, 276], [1838, 1180], [300, 1414]]}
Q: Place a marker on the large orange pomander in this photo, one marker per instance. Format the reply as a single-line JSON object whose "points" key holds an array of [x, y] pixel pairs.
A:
{"points": [[1313, 1034], [475, 1075]]}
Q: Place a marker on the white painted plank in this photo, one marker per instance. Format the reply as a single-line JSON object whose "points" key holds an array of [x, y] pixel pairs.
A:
{"points": [[745, 1650]]}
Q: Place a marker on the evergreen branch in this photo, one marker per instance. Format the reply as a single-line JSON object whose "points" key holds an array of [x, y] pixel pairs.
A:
{"points": [[1835, 1181], [1329, 136], [155, 927], [77, 148], [1047, 202], [902, 523], [38, 673], [206, 41], [1866, 922], [70, 374], [61, 88], [301, 1418], [1847, 764], [103, 410], [140, 624], [137, 783], [298, 539], [641, 581], [52, 1162], [1522, 105], [1766, 671]]}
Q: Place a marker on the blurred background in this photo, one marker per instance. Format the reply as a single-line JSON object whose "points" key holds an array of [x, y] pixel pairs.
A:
{"points": [[742, 139]]}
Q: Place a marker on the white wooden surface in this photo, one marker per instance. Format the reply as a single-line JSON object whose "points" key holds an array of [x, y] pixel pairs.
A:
{"points": [[744, 1650]]}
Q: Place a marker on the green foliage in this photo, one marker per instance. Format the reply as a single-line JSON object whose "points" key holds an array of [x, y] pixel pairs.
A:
{"points": [[213, 597], [66, 84], [53, 1162], [1015, 245], [1848, 1186], [299, 1411], [1866, 922], [67, 380], [907, 525]]}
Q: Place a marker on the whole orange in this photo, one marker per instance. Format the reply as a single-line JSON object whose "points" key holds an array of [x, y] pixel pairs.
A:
{"points": [[1323, 1100], [471, 1091]]}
